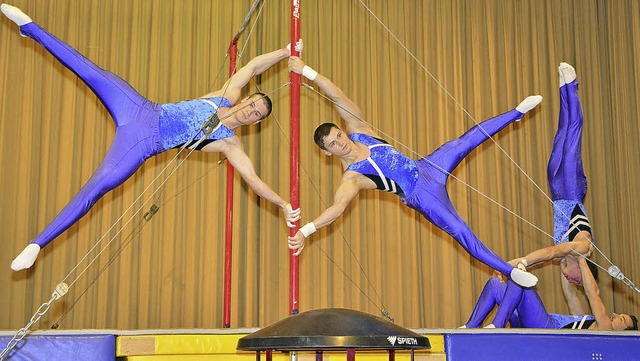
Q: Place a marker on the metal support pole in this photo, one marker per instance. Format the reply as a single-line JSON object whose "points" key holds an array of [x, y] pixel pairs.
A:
{"points": [[294, 161], [228, 240]]}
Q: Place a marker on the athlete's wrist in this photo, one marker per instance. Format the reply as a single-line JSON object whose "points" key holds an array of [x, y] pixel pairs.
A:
{"points": [[523, 264], [308, 229], [309, 73]]}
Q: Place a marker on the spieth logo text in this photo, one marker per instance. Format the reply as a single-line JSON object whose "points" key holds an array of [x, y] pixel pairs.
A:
{"points": [[402, 340]]}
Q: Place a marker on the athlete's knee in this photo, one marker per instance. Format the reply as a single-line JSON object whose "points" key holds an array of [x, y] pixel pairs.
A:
{"points": [[494, 281]]}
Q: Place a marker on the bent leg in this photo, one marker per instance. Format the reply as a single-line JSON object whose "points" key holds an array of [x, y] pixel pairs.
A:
{"points": [[491, 295], [531, 310], [509, 303], [120, 99]]}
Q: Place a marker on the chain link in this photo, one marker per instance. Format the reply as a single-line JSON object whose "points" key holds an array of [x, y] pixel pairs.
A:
{"points": [[22, 333], [61, 290]]}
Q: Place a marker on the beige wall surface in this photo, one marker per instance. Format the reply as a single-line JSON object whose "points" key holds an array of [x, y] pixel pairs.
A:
{"points": [[423, 78]]}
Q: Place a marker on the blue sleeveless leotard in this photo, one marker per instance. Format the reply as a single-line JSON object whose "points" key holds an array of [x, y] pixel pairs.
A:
{"points": [[391, 170], [181, 122]]}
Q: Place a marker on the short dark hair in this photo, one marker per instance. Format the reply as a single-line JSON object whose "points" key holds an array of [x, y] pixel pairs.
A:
{"points": [[321, 132], [635, 323], [267, 103]]}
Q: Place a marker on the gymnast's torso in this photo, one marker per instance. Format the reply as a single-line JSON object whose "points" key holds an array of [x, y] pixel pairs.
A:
{"points": [[574, 322], [387, 167], [569, 218], [181, 122]]}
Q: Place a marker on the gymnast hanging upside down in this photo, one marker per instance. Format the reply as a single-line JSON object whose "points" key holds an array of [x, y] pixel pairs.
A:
{"points": [[568, 188], [145, 128], [371, 163]]}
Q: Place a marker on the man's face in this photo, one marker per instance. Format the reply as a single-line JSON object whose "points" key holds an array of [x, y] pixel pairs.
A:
{"points": [[250, 110], [337, 142], [621, 321], [571, 270]]}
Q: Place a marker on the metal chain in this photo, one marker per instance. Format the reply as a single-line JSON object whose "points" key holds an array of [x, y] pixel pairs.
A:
{"points": [[61, 290]]}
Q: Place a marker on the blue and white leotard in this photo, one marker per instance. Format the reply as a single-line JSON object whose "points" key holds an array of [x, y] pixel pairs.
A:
{"points": [[422, 184], [181, 122]]}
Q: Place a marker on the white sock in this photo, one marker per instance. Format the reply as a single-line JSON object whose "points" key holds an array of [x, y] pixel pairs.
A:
{"points": [[567, 73], [26, 258], [522, 278], [463, 326], [490, 326], [529, 103], [14, 14]]}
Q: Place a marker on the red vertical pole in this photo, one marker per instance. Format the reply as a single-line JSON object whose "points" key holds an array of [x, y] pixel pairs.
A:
{"points": [[294, 160], [228, 240], [351, 354]]}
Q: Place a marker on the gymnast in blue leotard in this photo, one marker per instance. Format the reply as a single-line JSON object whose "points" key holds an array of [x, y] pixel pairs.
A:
{"points": [[529, 313], [145, 128], [568, 187], [370, 163], [523, 308]]}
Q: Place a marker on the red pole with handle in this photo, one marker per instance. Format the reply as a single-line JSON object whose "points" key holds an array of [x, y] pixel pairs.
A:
{"points": [[228, 231], [294, 161]]}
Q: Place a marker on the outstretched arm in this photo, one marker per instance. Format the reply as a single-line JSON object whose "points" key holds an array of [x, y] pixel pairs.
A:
{"points": [[591, 289], [580, 245], [347, 190], [240, 161], [346, 108], [233, 86]]}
